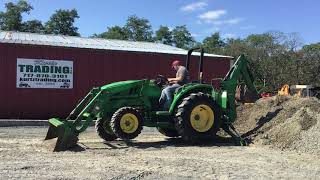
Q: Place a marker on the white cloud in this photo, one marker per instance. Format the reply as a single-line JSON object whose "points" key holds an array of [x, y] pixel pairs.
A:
{"points": [[212, 15], [247, 27], [228, 22], [194, 6]]}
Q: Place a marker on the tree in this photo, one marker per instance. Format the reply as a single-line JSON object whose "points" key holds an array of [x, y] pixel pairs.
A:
{"points": [[213, 43], [234, 47], [138, 29], [293, 41], [275, 58], [33, 26], [310, 64], [115, 32], [164, 35], [11, 19], [62, 22], [311, 51], [260, 41], [182, 37], [270, 61], [135, 29]]}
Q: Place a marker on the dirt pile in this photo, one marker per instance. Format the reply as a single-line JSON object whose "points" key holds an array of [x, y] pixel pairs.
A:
{"points": [[282, 122]]}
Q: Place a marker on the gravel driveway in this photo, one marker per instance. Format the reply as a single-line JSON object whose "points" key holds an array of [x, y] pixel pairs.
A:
{"points": [[151, 156]]}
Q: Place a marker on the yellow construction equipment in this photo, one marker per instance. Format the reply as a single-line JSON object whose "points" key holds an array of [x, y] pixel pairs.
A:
{"points": [[284, 91], [298, 91]]}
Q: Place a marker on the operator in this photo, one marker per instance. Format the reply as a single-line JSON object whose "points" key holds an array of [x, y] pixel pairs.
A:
{"points": [[182, 77]]}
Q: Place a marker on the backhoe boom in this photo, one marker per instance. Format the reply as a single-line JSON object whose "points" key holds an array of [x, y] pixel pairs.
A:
{"points": [[238, 72]]}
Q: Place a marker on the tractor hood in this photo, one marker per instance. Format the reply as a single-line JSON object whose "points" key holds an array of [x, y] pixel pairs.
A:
{"points": [[122, 84]]}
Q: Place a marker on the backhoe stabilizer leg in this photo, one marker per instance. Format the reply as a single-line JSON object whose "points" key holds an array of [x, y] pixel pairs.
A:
{"points": [[229, 128], [66, 137]]}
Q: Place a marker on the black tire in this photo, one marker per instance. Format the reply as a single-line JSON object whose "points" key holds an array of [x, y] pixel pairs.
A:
{"points": [[168, 132], [104, 130], [116, 123], [184, 117]]}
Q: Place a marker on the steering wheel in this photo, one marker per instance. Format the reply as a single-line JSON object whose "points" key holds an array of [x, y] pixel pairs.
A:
{"points": [[161, 81]]}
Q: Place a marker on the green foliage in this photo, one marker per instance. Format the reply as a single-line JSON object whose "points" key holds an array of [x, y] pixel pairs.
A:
{"points": [[311, 51], [164, 35], [135, 29], [310, 63], [138, 29], [62, 22], [115, 32], [182, 37], [213, 43], [33, 26], [11, 19]]}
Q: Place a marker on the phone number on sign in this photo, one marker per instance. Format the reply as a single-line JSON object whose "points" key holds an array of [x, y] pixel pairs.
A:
{"points": [[46, 75]]}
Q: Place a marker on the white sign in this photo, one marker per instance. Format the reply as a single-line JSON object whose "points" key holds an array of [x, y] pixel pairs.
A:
{"points": [[41, 73]]}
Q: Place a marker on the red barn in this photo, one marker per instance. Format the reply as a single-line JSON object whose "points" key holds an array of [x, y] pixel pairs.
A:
{"points": [[42, 76]]}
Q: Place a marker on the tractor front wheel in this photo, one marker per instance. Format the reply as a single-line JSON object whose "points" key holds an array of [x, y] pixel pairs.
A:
{"points": [[197, 117], [104, 130], [126, 123]]}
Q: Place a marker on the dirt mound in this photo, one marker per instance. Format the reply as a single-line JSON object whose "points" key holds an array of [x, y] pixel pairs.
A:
{"points": [[282, 122]]}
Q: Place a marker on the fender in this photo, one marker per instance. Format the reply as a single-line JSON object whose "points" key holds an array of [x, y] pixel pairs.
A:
{"points": [[186, 90]]}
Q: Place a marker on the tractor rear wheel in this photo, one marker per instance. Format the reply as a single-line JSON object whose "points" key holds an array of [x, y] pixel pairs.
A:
{"points": [[168, 132], [197, 117], [126, 123], [104, 130]]}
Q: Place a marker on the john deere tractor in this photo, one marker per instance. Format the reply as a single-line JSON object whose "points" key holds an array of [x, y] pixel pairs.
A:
{"points": [[121, 109]]}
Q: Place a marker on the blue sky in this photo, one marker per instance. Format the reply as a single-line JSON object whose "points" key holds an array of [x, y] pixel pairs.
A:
{"points": [[232, 18]]}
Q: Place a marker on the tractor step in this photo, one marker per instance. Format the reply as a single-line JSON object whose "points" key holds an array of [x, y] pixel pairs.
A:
{"points": [[165, 125], [163, 113]]}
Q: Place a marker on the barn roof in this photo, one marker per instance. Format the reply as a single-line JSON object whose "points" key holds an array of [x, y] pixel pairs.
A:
{"points": [[91, 43]]}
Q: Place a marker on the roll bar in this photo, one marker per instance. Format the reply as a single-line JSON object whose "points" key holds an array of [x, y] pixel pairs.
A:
{"points": [[200, 64]]}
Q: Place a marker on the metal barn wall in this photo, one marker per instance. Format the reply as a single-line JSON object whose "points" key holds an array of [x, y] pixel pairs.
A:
{"points": [[91, 68]]}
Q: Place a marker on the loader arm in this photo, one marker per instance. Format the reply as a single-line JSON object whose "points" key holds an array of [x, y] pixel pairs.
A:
{"points": [[239, 71], [67, 130]]}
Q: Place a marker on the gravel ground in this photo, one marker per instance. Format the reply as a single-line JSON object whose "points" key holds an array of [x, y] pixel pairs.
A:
{"points": [[151, 156]]}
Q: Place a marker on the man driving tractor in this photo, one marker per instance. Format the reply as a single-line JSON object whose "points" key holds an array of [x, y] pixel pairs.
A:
{"points": [[182, 77]]}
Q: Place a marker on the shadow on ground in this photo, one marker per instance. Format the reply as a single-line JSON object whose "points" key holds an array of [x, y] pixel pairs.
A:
{"points": [[261, 122], [77, 148], [169, 142]]}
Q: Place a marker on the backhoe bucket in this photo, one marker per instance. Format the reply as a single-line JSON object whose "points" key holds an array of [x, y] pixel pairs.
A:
{"points": [[244, 95], [64, 134]]}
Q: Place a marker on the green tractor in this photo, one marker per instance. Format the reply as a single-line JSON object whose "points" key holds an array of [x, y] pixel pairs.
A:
{"points": [[121, 109]]}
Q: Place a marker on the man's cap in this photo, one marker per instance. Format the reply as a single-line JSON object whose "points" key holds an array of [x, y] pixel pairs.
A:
{"points": [[176, 63]]}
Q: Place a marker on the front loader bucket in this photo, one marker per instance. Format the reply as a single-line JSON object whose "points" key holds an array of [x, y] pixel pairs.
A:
{"points": [[64, 134]]}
